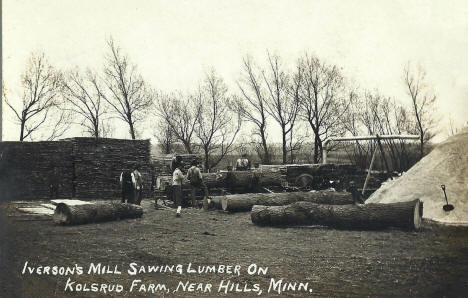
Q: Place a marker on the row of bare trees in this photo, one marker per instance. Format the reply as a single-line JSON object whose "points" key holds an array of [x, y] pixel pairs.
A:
{"points": [[206, 119], [310, 100], [52, 100]]}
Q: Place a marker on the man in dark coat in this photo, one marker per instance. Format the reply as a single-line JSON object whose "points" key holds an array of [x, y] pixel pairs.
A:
{"points": [[127, 187], [195, 178], [54, 183]]}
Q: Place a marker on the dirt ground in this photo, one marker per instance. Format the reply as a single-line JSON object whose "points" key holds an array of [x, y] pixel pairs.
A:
{"points": [[428, 263]]}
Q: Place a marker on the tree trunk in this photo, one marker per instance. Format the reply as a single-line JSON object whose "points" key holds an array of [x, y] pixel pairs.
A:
{"points": [[207, 161], [316, 148], [421, 146], [406, 215], [245, 202], [22, 131], [81, 214], [266, 156], [187, 146], [284, 145]]}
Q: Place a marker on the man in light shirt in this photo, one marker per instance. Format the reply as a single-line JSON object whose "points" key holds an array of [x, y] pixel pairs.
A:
{"points": [[243, 164], [137, 185], [177, 178]]}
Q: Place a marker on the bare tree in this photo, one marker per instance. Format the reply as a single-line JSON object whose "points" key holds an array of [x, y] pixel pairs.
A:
{"points": [[165, 136], [453, 126], [217, 126], [423, 100], [323, 101], [40, 84], [252, 106], [281, 102], [297, 137], [83, 94], [128, 95], [180, 113]]}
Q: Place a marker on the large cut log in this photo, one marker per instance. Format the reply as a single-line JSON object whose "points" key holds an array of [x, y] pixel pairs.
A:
{"points": [[245, 202], [241, 179], [98, 212], [270, 176], [406, 215]]}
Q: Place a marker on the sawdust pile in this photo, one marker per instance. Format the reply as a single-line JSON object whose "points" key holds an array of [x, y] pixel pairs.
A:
{"points": [[446, 164]]}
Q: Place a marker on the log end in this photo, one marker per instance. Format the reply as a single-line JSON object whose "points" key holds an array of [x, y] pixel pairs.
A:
{"points": [[62, 214], [224, 204]]}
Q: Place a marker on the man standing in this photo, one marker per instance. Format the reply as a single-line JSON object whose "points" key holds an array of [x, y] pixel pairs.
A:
{"points": [[137, 185], [243, 164], [176, 160], [126, 182], [177, 178], [195, 178], [54, 184]]}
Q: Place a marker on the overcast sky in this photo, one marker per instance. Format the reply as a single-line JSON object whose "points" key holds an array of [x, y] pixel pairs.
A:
{"points": [[175, 42]]}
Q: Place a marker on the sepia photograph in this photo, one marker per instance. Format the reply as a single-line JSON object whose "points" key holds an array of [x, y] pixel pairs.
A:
{"points": [[234, 148]]}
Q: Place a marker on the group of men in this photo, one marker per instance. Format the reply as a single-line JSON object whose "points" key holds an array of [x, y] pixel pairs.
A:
{"points": [[132, 186], [132, 182], [195, 178]]}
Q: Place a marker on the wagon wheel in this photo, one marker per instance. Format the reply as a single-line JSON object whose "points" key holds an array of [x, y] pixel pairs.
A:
{"points": [[304, 181]]}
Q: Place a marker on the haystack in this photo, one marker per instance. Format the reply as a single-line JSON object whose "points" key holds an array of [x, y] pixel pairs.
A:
{"points": [[447, 164]]}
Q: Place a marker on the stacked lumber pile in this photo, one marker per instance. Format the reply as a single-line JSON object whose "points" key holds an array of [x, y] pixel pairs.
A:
{"points": [[99, 163], [27, 169]]}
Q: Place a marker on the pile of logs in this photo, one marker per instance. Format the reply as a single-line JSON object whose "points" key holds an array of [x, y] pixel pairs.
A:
{"points": [[65, 214], [244, 180], [328, 208], [406, 215], [245, 202], [27, 169], [99, 163], [323, 176]]}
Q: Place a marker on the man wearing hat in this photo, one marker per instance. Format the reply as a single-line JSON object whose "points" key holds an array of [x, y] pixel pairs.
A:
{"points": [[243, 164]]}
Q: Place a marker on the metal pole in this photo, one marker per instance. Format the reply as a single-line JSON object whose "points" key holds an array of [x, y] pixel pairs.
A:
{"points": [[369, 171]]}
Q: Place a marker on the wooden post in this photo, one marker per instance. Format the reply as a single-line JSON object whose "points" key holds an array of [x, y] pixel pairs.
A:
{"points": [[325, 152], [369, 171], [383, 155]]}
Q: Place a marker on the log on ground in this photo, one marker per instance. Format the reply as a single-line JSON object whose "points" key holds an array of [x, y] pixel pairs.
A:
{"points": [[215, 203], [245, 202], [81, 214], [406, 215]]}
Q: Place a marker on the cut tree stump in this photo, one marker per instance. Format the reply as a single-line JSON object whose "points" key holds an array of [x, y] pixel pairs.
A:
{"points": [[245, 202], [98, 212], [406, 215]]}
